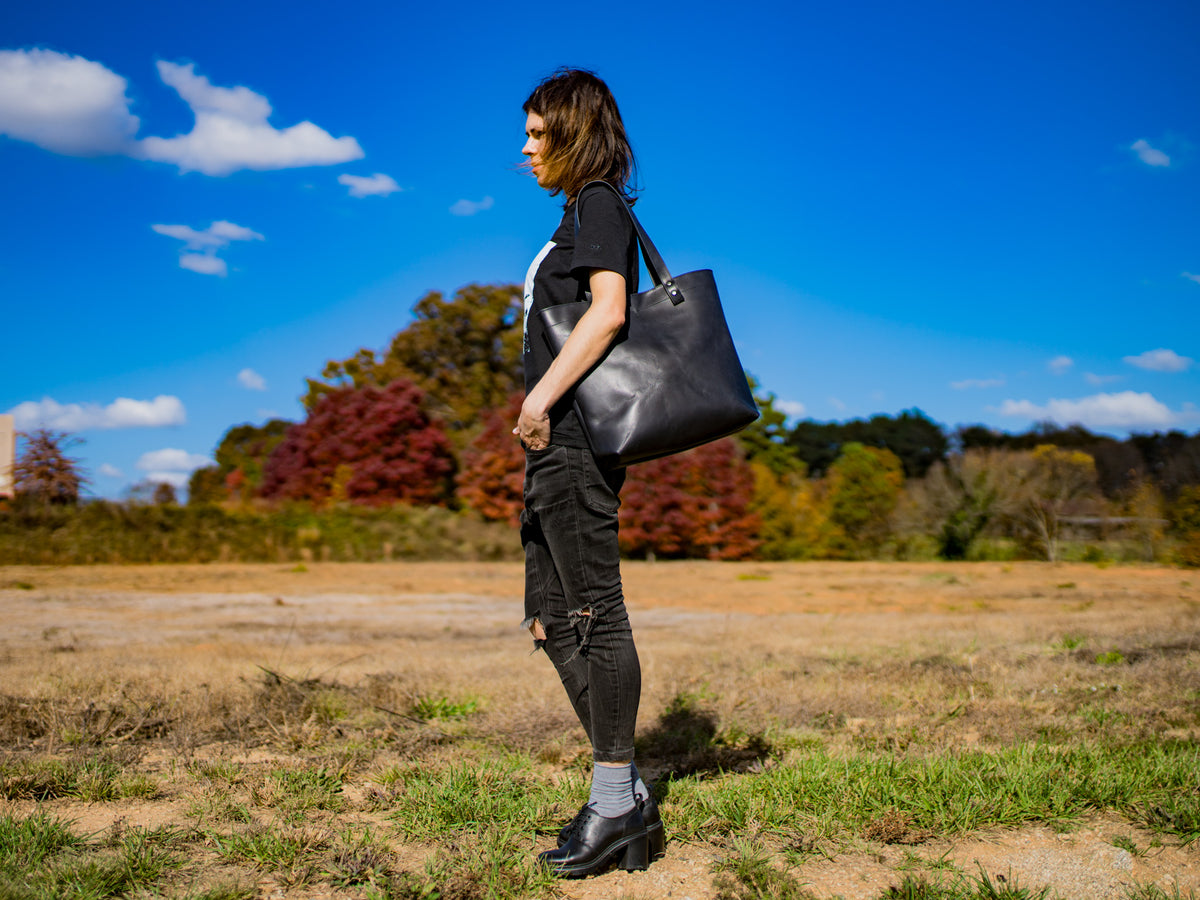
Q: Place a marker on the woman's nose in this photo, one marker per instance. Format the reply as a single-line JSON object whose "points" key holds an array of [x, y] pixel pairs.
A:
{"points": [[528, 149]]}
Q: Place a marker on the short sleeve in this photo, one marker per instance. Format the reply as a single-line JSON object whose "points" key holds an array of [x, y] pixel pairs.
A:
{"points": [[605, 232]]}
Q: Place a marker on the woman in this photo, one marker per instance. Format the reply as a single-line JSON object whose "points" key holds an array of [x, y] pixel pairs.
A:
{"points": [[574, 606]]}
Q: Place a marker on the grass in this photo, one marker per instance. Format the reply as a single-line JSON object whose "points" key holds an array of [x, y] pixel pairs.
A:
{"points": [[95, 778], [432, 802], [426, 708], [42, 859], [408, 761], [949, 794]]}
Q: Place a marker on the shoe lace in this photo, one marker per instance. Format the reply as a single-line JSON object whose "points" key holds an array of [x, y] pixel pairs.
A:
{"points": [[576, 829]]}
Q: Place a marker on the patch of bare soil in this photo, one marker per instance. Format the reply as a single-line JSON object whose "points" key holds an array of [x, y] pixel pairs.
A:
{"points": [[871, 654]]}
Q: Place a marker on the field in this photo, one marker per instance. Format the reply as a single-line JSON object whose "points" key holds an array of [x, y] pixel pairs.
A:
{"points": [[814, 730]]}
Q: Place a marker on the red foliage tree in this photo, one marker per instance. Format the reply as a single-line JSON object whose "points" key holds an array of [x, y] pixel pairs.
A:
{"points": [[368, 445], [696, 504], [493, 467]]}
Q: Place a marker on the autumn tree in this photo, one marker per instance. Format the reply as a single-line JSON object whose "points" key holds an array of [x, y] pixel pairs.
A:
{"points": [[861, 490], [368, 445], [691, 505], [959, 499], [241, 458], [492, 477], [790, 513], [1185, 521], [1146, 513], [463, 352], [43, 472], [1049, 483]]}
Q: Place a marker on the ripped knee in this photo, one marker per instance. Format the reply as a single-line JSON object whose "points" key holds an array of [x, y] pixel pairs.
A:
{"points": [[536, 629]]}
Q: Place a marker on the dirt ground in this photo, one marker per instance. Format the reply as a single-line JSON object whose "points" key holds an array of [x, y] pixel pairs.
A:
{"points": [[454, 626]]}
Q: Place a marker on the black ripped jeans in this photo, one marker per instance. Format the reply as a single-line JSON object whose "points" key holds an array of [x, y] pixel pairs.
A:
{"points": [[573, 587]]}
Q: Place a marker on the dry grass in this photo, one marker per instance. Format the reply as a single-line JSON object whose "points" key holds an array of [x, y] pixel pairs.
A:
{"points": [[211, 683]]}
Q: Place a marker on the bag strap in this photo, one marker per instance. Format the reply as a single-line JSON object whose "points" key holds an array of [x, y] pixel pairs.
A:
{"points": [[654, 262]]}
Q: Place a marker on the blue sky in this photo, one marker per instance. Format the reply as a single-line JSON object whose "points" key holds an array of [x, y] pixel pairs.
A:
{"points": [[987, 211]]}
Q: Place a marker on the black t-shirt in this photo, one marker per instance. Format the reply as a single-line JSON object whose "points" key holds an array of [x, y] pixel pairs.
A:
{"points": [[559, 274]]}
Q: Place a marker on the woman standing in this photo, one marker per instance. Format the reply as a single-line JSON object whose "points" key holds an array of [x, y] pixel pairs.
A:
{"points": [[574, 606]]}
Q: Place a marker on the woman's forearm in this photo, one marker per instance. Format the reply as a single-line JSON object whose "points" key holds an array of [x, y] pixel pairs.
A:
{"points": [[590, 338]]}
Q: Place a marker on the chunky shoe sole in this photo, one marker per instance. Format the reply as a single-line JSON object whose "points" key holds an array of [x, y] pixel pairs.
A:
{"points": [[632, 854], [656, 841], [655, 833]]}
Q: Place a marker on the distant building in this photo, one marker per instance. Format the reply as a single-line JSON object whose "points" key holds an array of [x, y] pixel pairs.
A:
{"points": [[8, 448]]}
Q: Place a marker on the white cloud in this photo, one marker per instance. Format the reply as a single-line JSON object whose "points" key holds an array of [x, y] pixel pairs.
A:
{"points": [[110, 471], [791, 408], [163, 410], [837, 404], [64, 104], [177, 480], [1195, 278], [378, 185], [1098, 380], [1149, 155], [1160, 360], [470, 207], [251, 380], [203, 263], [171, 465], [232, 132], [1060, 364], [1124, 410], [203, 245], [969, 383], [68, 104], [170, 459]]}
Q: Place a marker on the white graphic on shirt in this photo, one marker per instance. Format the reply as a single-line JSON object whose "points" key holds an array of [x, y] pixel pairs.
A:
{"points": [[529, 276]]}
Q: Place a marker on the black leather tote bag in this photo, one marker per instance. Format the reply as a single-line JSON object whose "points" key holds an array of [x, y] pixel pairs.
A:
{"points": [[671, 379]]}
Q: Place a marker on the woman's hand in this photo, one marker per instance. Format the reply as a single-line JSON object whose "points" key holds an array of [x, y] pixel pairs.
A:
{"points": [[533, 427], [589, 339]]}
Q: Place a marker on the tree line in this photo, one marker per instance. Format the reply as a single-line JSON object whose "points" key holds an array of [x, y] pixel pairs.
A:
{"points": [[427, 421]]}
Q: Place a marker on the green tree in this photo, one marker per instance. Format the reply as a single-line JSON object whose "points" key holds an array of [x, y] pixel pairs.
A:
{"points": [[463, 352], [43, 472], [915, 439], [862, 488], [241, 458], [765, 439], [207, 485]]}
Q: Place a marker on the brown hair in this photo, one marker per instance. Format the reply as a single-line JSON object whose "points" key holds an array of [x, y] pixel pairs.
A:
{"points": [[584, 138]]}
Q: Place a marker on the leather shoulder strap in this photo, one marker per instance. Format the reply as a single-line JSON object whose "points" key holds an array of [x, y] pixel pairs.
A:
{"points": [[654, 262]]}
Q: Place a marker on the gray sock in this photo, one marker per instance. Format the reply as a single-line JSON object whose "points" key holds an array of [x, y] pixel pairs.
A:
{"points": [[639, 786], [612, 790]]}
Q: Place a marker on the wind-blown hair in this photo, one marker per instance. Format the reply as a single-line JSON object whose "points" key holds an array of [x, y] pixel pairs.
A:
{"points": [[584, 138]]}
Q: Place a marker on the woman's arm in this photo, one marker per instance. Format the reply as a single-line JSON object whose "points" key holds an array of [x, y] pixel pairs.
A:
{"points": [[587, 343]]}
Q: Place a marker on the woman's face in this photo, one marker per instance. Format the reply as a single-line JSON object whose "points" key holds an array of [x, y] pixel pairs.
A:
{"points": [[535, 129]]}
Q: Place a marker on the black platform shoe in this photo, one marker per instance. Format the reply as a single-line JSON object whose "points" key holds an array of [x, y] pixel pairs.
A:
{"points": [[650, 815], [595, 842]]}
